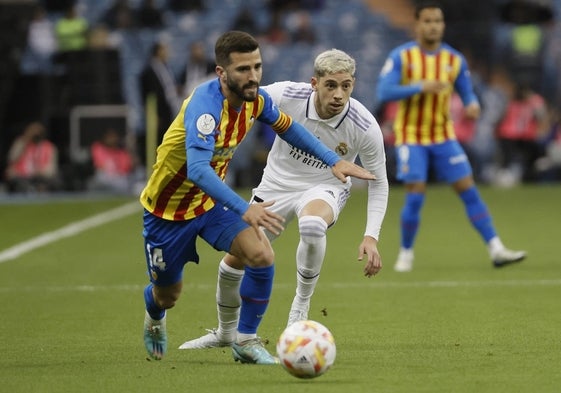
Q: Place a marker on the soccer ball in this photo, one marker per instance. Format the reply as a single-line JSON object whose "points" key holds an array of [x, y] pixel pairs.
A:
{"points": [[306, 349]]}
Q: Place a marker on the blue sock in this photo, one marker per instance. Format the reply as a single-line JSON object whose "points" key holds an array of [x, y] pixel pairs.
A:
{"points": [[154, 311], [410, 218], [255, 291], [478, 213]]}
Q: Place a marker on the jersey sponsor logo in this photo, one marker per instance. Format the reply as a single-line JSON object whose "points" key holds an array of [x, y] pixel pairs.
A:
{"points": [[205, 124], [306, 158]]}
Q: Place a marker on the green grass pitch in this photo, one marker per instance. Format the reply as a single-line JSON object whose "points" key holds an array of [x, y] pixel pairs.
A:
{"points": [[72, 310]]}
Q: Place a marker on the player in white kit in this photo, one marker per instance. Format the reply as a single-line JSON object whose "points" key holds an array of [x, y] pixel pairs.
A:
{"points": [[303, 187]]}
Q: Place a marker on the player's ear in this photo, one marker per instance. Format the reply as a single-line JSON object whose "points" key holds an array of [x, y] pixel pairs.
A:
{"points": [[314, 83], [221, 72]]}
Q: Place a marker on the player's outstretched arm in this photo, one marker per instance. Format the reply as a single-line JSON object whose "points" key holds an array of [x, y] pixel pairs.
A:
{"points": [[343, 168]]}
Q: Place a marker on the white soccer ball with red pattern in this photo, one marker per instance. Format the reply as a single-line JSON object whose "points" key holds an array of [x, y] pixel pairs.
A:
{"points": [[306, 349]]}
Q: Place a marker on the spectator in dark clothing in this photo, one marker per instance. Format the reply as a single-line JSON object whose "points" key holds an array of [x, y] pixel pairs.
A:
{"points": [[157, 80], [186, 5], [198, 68], [120, 16], [245, 21], [149, 15], [304, 30]]}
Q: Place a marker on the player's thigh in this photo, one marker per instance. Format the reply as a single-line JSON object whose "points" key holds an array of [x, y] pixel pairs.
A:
{"points": [[323, 200], [221, 226], [285, 204], [412, 163], [450, 161], [168, 245], [252, 248], [226, 231], [284, 200]]}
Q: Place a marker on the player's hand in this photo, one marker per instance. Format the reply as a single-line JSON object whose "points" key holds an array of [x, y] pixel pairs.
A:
{"points": [[435, 86], [472, 111], [345, 168], [369, 247], [258, 216]]}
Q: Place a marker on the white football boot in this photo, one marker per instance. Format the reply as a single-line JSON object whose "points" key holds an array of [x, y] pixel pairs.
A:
{"points": [[404, 261]]}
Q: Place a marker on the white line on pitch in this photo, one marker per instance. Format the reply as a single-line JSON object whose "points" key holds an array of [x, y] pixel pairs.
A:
{"points": [[378, 285], [68, 231]]}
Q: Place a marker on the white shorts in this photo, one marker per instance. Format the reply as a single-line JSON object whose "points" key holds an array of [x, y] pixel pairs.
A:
{"points": [[289, 204]]}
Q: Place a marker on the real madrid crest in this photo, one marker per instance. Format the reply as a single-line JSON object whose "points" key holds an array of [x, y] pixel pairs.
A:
{"points": [[342, 149]]}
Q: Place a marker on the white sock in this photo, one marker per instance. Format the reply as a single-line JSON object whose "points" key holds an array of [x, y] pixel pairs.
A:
{"points": [[228, 300], [309, 257], [495, 245], [406, 252], [148, 320], [245, 336]]}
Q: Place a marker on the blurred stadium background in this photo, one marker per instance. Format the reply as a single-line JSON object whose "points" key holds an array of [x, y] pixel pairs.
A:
{"points": [[102, 83]]}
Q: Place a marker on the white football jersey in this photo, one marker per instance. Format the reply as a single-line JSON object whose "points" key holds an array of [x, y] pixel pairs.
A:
{"points": [[351, 134]]}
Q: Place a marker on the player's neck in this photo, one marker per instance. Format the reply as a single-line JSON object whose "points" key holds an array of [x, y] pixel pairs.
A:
{"points": [[429, 46], [234, 101]]}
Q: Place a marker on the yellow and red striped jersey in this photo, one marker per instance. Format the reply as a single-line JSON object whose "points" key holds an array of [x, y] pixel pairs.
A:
{"points": [[205, 120], [424, 118]]}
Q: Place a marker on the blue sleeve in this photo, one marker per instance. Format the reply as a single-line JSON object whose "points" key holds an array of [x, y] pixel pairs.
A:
{"points": [[201, 173], [389, 86], [301, 138], [296, 134], [200, 120], [463, 84], [271, 112], [201, 117]]}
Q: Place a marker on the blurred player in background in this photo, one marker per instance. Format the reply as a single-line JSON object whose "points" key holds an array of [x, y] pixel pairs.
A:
{"points": [[303, 188], [422, 75], [186, 196]]}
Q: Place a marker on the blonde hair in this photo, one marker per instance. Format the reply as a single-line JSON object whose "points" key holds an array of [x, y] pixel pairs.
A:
{"points": [[334, 61]]}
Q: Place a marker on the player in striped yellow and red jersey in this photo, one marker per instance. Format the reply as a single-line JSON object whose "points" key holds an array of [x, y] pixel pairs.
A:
{"points": [[186, 197], [424, 118], [170, 194], [422, 75]]}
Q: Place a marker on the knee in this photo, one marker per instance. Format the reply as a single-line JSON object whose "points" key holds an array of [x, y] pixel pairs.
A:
{"points": [[260, 257], [312, 229], [233, 262]]}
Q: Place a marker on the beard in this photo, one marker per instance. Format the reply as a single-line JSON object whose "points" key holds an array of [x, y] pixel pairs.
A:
{"points": [[240, 91], [433, 37]]}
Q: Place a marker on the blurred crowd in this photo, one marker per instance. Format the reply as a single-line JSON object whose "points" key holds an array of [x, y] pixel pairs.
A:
{"points": [[515, 68]]}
